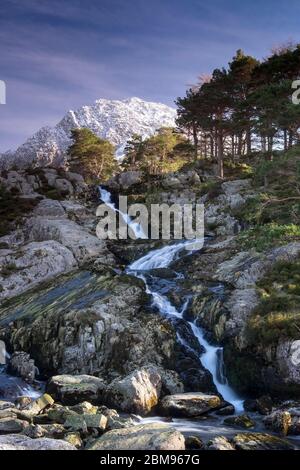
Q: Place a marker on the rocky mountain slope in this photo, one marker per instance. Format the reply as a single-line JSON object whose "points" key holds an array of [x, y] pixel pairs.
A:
{"points": [[114, 120], [72, 314]]}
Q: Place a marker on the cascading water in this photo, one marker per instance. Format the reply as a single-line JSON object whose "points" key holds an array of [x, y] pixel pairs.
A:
{"points": [[212, 359], [134, 226]]}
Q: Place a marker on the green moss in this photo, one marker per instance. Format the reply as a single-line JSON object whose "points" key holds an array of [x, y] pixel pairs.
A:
{"points": [[237, 170], [278, 313], [12, 209], [8, 269], [263, 237], [212, 188]]}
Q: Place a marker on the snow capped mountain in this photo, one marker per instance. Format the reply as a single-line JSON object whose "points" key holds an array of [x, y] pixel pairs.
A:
{"points": [[110, 119]]}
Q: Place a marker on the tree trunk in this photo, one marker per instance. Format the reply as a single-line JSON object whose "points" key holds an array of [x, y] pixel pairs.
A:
{"points": [[220, 154], [249, 142], [211, 147], [291, 138], [232, 146], [195, 138], [285, 139], [240, 144], [205, 147]]}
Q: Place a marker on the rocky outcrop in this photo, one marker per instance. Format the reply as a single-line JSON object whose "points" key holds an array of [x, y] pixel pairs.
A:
{"points": [[42, 182], [100, 328], [81, 243], [141, 437], [27, 266]]}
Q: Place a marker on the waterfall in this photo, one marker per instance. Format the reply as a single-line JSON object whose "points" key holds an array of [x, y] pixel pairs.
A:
{"points": [[212, 358], [134, 226]]}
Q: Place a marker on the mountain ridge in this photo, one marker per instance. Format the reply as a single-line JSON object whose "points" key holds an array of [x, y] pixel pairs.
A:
{"points": [[115, 120]]}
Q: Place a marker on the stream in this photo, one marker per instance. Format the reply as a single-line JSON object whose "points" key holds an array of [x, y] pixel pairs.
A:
{"points": [[88, 288], [212, 358]]}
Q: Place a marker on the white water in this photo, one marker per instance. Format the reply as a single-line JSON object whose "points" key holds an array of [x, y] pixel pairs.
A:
{"points": [[162, 258], [134, 226]]}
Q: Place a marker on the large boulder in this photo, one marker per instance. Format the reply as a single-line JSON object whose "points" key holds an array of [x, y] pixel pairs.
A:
{"points": [[68, 233], [137, 393], [141, 437], [73, 389], [188, 405], [18, 442], [31, 264]]}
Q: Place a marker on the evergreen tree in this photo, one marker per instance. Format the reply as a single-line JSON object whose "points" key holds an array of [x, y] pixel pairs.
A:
{"points": [[90, 155]]}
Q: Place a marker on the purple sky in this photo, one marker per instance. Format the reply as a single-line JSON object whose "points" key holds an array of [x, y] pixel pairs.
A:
{"points": [[58, 55]]}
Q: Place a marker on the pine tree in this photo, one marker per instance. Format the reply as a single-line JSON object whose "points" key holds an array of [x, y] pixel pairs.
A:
{"points": [[90, 155]]}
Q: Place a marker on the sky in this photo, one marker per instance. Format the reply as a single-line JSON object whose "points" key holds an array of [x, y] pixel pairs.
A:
{"points": [[57, 55]]}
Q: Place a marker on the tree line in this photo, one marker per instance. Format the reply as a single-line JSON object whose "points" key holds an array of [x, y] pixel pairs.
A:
{"points": [[244, 106]]}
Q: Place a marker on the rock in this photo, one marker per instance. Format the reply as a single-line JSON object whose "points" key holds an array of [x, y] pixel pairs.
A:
{"points": [[84, 408], [241, 421], [219, 443], [193, 443], [22, 365], [86, 422], [188, 404], [97, 421], [71, 390], [4, 405], [250, 404], [64, 186], [141, 437], [119, 423], [227, 410], [36, 431], [260, 441], [137, 393], [49, 208], [57, 414], [74, 439], [236, 186], [264, 404], [287, 360], [86, 324], [23, 402], [243, 270], [8, 413], [129, 178], [12, 425], [32, 264], [68, 233], [18, 442], [279, 421], [38, 405]]}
